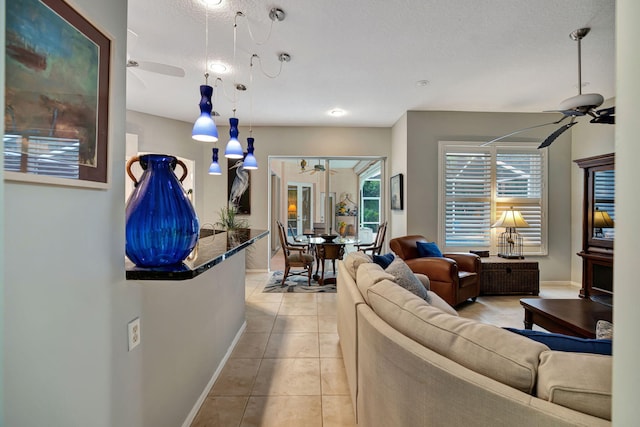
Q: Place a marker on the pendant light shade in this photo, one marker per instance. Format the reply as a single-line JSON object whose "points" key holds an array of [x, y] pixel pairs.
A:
{"points": [[250, 161], [214, 169], [234, 149], [205, 129]]}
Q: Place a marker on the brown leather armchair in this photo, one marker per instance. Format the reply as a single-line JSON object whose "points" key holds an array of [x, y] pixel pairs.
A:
{"points": [[455, 277]]}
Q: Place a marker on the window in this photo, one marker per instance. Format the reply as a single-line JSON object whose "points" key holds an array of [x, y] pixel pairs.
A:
{"points": [[479, 183], [370, 198]]}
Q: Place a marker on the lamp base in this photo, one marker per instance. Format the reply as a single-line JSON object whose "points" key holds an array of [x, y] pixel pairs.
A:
{"points": [[508, 256]]}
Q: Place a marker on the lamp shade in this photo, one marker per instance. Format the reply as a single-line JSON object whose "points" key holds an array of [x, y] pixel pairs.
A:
{"points": [[233, 149], [292, 208], [214, 169], [250, 161], [601, 219], [204, 129], [511, 219]]}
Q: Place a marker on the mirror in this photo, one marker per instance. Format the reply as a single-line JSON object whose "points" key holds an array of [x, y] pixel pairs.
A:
{"points": [[603, 206]]}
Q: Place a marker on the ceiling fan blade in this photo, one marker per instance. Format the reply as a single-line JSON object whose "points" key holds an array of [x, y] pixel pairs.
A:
{"points": [[156, 67], [523, 130], [555, 135], [605, 115]]}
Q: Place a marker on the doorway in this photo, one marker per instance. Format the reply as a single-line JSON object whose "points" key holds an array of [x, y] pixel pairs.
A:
{"points": [[299, 207]]}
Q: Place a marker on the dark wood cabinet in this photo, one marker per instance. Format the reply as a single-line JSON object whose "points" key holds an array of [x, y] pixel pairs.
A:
{"points": [[598, 233]]}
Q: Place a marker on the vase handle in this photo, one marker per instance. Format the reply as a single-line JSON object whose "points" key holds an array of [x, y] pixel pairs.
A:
{"points": [[128, 168], [184, 169]]}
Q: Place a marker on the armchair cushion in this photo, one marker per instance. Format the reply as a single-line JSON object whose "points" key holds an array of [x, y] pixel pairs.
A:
{"points": [[383, 260], [428, 249]]}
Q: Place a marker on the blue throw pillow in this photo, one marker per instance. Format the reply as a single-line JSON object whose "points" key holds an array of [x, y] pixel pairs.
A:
{"points": [[383, 260], [428, 249], [562, 342]]}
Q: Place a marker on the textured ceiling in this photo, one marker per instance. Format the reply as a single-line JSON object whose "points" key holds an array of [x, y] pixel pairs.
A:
{"points": [[365, 57]]}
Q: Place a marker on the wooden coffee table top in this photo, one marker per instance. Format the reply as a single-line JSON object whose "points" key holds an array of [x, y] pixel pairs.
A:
{"points": [[561, 315]]}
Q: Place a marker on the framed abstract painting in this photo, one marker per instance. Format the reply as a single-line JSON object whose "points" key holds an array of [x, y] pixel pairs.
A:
{"points": [[56, 96]]}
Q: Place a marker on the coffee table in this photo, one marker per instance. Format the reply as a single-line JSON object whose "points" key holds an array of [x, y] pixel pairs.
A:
{"points": [[575, 317]]}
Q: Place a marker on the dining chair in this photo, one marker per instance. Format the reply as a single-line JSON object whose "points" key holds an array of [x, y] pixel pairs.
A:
{"points": [[376, 246], [295, 255]]}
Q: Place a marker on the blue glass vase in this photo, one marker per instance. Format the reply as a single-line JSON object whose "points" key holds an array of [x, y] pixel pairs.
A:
{"points": [[162, 226]]}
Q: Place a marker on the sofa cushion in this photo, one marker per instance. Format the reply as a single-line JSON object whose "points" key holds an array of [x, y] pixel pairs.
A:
{"points": [[428, 249], [576, 380], [383, 260], [489, 350], [438, 302], [404, 277], [368, 275], [562, 342], [353, 260]]}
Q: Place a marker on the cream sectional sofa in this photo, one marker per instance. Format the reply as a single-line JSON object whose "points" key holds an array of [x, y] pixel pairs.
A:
{"points": [[410, 363]]}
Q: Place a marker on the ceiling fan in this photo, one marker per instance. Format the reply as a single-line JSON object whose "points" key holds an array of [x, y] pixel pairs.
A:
{"points": [[576, 106], [316, 168], [153, 67]]}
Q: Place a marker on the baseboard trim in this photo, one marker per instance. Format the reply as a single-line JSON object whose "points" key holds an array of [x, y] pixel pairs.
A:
{"points": [[561, 283], [194, 411]]}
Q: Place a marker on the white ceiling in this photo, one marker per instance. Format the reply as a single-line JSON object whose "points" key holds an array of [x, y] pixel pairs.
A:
{"points": [[365, 57]]}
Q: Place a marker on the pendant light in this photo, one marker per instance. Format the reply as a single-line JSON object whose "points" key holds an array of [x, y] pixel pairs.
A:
{"points": [[250, 161], [233, 149], [204, 129], [214, 169]]}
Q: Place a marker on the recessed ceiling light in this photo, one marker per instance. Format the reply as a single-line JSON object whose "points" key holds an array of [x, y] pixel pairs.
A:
{"points": [[211, 2], [337, 112], [422, 83], [218, 67]]}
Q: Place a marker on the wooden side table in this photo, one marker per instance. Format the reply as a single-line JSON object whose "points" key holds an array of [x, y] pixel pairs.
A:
{"points": [[576, 317], [502, 276]]}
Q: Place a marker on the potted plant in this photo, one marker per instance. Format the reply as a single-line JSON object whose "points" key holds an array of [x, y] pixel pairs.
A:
{"points": [[229, 220]]}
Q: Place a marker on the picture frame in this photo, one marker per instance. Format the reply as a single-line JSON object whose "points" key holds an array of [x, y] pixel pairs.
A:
{"points": [[56, 96], [397, 191], [238, 187]]}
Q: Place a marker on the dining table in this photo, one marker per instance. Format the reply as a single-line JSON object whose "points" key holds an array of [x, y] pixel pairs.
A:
{"points": [[324, 250]]}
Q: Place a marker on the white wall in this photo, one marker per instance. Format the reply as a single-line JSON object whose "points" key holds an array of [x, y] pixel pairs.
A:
{"points": [[426, 128], [626, 316], [2, 19], [65, 336], [398, 219]]}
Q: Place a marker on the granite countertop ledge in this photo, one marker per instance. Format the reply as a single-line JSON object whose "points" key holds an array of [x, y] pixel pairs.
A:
{"points": [[210, 250]]}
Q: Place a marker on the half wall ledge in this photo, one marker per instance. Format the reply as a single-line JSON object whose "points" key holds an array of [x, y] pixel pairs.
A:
{"points": [[209, 251]]}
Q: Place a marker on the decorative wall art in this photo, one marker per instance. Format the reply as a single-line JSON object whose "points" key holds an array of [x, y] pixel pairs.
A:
{"points": [[57, 96], [397, 192], [239, 186]]}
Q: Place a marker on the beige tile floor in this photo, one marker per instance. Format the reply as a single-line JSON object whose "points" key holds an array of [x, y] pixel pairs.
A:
{"points": [[287, 368]]}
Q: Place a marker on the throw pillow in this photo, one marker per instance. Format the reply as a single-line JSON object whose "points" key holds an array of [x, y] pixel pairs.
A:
{"points": [[353, 261], [560, 342], [383, 260], [428, 249], [404, 277], [604, 330]]}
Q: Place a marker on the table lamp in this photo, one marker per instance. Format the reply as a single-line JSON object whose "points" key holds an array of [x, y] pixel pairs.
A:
{"points": [[601, 219], [510, 242]]}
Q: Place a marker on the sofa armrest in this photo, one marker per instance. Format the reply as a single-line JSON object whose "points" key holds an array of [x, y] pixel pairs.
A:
{"points": [[466, 262], [435, 268]]}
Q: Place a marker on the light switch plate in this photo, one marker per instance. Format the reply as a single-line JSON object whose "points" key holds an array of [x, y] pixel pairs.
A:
{"points": [[134, 333]]}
